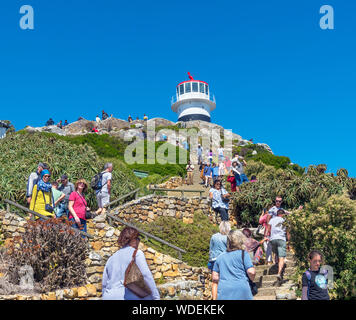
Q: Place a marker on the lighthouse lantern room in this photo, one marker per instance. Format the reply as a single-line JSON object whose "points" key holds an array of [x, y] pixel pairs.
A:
{"points": [[193, 100]]}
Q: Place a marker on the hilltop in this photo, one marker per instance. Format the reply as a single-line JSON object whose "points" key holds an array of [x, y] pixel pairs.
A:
{"points": [[126, 131]]}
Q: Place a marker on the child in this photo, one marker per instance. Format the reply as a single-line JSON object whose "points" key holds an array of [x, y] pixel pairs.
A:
{"points": [[58, 196], [314, 281]]}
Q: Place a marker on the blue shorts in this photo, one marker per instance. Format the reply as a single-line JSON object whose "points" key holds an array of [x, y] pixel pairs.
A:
{"points": [[240, 179], [83, 223]]}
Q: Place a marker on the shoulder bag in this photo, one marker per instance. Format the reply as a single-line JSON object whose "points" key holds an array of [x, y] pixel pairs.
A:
{"points": [[88, 214], [134, 280], [253, 285]]}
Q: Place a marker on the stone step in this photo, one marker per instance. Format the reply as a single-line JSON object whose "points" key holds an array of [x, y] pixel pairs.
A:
{"points": [[266, 284], [287, 272], [266, 291], [257, 297], [272, 277]]}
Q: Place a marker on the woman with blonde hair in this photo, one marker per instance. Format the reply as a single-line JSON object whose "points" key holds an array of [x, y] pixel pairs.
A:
{"points": [[218, 243], [78, 206], [231, 273]]}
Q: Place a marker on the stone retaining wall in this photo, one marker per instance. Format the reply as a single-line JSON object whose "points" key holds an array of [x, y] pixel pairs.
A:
{"points": [[104, 244], [147, 209]]}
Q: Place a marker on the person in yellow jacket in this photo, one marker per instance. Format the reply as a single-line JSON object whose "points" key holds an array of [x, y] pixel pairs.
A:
{"points": [[42, 197]]}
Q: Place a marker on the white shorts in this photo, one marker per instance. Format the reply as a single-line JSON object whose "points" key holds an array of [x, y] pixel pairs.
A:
{"points": [[103, 199]]}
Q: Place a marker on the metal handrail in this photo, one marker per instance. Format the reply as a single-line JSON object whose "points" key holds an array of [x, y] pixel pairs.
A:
{"points": [[123, 197], [209, 96], [38, 215], [177, 190], [179, 250]]}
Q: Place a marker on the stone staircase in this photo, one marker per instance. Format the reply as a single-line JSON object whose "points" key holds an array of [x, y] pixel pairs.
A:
{"points": [[269, 288], [195, 186]]}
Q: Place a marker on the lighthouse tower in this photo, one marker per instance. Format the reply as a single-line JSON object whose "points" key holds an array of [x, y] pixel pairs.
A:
{"points": [[193, 100]]}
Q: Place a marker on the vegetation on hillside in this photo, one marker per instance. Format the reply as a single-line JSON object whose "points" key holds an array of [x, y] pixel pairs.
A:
{"points": [[296, 190], [107, 146], [166, 157]]}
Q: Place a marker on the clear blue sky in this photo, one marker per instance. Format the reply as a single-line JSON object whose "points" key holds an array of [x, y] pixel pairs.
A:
{"points": [[277, 76]]}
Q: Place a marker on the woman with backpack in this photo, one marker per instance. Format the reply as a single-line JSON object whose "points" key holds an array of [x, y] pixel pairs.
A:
{"points": [[42, 197], [78, 206], [314, 280]]}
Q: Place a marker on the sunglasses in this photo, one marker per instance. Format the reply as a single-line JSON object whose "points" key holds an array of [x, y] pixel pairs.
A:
{"points": [[46, 176], [279, 201]]}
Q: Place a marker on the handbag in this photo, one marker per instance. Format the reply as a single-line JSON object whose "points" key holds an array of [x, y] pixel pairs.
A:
{"points": [[253, 286], [134, 280], [88, 214], [261, 230], [48, 207]]}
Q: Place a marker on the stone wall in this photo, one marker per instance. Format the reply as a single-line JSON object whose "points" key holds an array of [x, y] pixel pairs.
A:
{"points": [[149, 208], [165, 269]]}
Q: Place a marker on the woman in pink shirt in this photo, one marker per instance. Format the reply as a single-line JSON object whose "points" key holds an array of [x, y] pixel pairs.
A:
{"points": [[78, 206], [266, 245]]}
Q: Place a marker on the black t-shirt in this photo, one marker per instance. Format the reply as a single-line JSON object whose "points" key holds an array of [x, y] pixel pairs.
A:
{"points": [[316, 292]]}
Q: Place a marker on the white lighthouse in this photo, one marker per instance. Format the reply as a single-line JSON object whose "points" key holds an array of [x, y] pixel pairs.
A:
{"points": [[193, 100]]}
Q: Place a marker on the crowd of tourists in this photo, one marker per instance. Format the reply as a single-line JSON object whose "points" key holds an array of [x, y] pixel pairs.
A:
{"points": [[233, 254], [63, 199], [104, 116]]}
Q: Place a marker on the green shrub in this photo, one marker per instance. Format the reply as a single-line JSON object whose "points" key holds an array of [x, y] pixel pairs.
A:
{"points": [[172, 168], [194, 238], [279, 162], [328, 224]]}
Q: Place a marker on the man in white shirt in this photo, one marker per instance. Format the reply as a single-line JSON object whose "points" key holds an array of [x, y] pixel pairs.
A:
{"points": [[103, 194], [278, 205], [278, 239]]}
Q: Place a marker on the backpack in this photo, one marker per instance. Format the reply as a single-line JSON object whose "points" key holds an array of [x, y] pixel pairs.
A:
{"points": [[308, 275], [96, 181]]}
